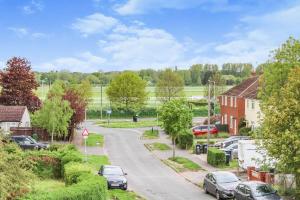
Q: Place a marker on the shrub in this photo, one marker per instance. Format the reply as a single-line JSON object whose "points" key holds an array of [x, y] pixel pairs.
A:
{"points": [[89, 187], [73, 170], [46, 164], [215, 157], [185, 139], [245, 131]]}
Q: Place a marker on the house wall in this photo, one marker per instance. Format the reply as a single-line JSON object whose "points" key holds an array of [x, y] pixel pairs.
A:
{"points": [[253, 114], [25, 121], [5, 126], [232, 111]]}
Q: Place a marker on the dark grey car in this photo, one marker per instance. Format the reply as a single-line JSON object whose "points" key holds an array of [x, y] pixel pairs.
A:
{"points": [[255, 190], [115, 176], [28, 143], [221, 184]]}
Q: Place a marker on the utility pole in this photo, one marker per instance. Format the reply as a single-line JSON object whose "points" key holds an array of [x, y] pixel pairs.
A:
{"points": [[101, 101], [208, 119], [214, 98]]}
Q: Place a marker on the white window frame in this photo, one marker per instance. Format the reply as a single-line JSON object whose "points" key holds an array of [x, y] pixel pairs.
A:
{"points": [[231, 101], [235, 99], [231, 121], [225, 100], [253, 104], [225, 120]]}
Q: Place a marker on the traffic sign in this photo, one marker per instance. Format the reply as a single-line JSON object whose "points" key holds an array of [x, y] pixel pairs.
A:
{"points": [[85, 132]]}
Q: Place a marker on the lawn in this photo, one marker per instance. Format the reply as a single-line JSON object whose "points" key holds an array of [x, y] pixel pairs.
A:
{"points": [[95, 140], [97, 160], [181, 164], [127, 124], [158, 146], [150, 134], [48, 185], [232, 165], [123, 195]]}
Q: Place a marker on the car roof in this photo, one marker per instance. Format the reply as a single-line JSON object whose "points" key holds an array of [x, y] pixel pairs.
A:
{"points": [[221, 173], [111, 166], [253, 183]]}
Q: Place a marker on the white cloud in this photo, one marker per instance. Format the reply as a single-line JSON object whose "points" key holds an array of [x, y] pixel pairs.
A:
{"points": [[33, 7], [132, 7], [84, 62], [22, 32], [95, 23]]}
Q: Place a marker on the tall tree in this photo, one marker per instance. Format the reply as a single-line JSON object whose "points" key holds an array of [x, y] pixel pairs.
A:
{"points": [[55, 114], [176, 116], [18, 83], [196, 74], [127, 91], [170, 85], [281, 126]]}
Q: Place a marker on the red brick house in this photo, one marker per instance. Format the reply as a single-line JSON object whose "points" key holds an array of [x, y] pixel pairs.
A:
{"points": [[232, 103]]}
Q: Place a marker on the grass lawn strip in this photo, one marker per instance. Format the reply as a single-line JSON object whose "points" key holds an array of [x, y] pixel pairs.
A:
{"points": [[95, 161], [128, 124], [150, 134], [48, 185], [157, 146], [123, 195], [183, 164], [93, 139]]}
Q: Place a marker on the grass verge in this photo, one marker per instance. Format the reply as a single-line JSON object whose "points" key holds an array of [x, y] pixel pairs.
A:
{"points": [[127, 124], [181, 164], [95, 161], [93, 139], [48, 185], [123, 195], [232, 165], [157, 146], [150, 134]]}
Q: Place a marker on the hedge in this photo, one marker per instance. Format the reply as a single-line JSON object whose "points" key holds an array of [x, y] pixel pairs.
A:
{"points": [[185, 140], [215, 157], [89, 187], [73, 170]]}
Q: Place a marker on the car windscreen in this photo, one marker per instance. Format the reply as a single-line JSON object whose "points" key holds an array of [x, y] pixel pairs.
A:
{"points": [[112, 171], [262, 190], [226, 178], [33, 140]]}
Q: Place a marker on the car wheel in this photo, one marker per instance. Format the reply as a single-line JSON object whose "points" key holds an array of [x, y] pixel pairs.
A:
{"points": [[124, 188], [205, 189], [218, 196]]}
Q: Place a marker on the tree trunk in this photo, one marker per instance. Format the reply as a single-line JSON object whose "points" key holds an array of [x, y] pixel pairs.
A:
{"points": [[52, 133], [174, 145]]}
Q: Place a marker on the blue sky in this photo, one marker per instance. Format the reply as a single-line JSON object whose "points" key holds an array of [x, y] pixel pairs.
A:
{"points": [[92, 35]]}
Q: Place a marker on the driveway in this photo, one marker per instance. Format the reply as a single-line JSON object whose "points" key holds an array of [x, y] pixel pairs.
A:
{"points": [[147, 175]]}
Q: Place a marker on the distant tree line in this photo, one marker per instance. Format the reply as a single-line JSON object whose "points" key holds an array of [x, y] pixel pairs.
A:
{"points": [[198, 74]]}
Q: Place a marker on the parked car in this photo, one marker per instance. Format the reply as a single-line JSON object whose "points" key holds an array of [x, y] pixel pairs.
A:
{"points": [[26, 142], [220, 184], [115, 176], [203, 129], [232, 150], [255, 190], [231, 140]]}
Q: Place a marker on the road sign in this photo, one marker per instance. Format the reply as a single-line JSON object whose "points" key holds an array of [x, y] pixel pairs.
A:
{"points": [[85, 132]]}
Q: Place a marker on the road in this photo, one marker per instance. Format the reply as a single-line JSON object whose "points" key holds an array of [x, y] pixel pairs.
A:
{"points": [[147, 175]]}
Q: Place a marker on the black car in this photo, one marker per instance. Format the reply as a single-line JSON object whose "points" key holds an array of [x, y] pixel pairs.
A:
{"points": [[221, 184], [27, 142], [114, 175], [255, 190]]}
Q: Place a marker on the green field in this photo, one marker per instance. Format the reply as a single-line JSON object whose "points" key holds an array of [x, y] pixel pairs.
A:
{"points": [[190, 92]]}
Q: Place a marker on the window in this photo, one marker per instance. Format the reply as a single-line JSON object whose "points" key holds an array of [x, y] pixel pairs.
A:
{"points": [[231, 101], [235, 102], [253, 104], [231, 122], [225, 119], [222, 100], [225, 98]]}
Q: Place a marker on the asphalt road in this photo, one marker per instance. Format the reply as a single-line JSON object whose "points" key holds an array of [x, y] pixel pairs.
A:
{"points": [[147, 175]]}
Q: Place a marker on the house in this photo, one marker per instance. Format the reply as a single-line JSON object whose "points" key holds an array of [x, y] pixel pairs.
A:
{"points": [[253, 114], [14, 116], [232, 103]]}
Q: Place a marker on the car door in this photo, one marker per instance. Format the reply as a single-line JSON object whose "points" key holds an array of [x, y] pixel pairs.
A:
{"points": [[209, 183], [213, 184], [248, 195]]}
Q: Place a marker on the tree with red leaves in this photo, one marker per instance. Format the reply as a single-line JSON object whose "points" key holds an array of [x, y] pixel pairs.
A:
{"points": [[78, 104], [18, 82]]}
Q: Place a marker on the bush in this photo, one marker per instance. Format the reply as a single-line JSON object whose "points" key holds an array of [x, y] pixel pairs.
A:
{"points": [[245, 131], [215, 157], [46, 164], [89, 187], [72, 171], [185, 139]]}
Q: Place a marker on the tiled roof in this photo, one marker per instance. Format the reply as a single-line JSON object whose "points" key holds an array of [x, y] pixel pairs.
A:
{"points": [[252, 94], [247, 87], [11, 113]]}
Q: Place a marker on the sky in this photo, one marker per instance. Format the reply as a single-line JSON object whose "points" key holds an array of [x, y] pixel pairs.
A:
{"points": [[113, 35]]}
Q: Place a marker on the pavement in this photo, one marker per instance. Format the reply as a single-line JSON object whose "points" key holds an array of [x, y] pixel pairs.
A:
{"points": [[147, 175]]}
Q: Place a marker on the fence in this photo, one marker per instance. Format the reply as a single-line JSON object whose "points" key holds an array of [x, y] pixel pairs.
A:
{"points": [[41, 133]]}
